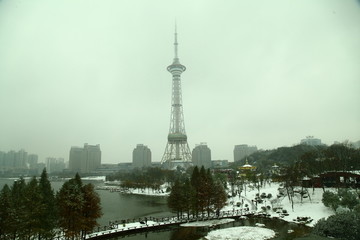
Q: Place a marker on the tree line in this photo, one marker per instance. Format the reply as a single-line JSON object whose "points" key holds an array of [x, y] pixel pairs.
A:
{"points": [[33, 211], [142, 178], [198, 195], [311, 159]]}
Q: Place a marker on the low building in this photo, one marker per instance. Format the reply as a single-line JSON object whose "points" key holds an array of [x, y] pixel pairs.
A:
{"points": [[337, 179], [220, 163]]}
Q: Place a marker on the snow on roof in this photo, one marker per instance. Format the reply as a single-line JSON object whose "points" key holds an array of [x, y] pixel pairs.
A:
{"points": [[246, 233], [247, 165]]}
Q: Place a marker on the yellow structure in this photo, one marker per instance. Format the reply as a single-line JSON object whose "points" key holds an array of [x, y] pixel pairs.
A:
{"points": [[246, 168]]}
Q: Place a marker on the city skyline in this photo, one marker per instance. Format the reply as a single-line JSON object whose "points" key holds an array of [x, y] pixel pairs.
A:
{"points": [[258, 73]]}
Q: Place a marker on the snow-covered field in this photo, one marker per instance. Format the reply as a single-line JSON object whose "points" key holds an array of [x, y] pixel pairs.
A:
{"points": [[243, 233], [313, 208]]}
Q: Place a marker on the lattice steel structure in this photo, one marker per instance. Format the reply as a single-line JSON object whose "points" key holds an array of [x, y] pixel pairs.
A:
{"points": [[177, 151]]}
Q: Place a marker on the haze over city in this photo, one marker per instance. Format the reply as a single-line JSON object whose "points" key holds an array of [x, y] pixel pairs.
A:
{"points": [[264, 73]]}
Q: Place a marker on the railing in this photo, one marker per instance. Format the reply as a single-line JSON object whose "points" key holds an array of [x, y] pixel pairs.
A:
{"points": [[113, 227]]}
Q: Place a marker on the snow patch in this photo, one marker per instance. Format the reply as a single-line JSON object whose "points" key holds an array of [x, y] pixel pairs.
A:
{"points": [[243, 233]]}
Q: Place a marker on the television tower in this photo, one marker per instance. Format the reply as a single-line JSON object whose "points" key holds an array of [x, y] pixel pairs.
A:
{"points": [[177, 151]]}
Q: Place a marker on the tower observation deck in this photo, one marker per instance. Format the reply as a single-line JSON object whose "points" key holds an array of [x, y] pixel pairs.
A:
{"points": [[177, 151]]}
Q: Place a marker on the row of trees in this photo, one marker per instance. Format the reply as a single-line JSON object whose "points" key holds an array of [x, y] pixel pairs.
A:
{"points": [[150, 177], [337, 157], [33, 211], [311, 159], [198, 195]]}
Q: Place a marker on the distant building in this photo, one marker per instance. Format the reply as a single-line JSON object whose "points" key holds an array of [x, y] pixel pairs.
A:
{"points": [[141, 156], [86, 159], [220, 163], [335, 180], [310, 140], [242, 151], [21, 159], [18, 162], [54, 164], [201, 156], [14, 160], [33, 161]]}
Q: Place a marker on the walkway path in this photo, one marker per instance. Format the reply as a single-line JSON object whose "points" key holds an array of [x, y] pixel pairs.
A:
{"points": [[151, 224]]}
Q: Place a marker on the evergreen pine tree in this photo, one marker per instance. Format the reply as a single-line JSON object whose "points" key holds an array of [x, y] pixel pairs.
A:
{"points": [[70, 202], [202, 190], [174, 199], [48, 214], [209, 191], [33, 209], [195, 183], [6, 216], [188, 196], [18, 230], [219, 197], [91, 209]]}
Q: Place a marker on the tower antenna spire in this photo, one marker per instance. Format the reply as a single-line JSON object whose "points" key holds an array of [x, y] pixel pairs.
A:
{"points": [[176, 58]]}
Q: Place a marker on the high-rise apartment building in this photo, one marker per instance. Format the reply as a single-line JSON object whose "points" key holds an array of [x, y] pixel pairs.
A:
{"points": [[243, 150], [310, 140], [33, 161], [86, 159], [14, 160], [18, 162], [54, 164], [141, 156], [201, 156]]}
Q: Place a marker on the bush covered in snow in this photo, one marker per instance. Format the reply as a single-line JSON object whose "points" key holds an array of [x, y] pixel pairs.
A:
{"points": [[342, 226]]}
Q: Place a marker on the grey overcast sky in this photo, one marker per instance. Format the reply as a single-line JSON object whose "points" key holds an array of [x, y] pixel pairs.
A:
{"points": [[259, 72]]}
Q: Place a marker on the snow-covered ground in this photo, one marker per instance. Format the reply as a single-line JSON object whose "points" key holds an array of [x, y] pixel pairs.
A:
{"points": [[313, 208], [94, 178], [150, 192], [243, 233]]}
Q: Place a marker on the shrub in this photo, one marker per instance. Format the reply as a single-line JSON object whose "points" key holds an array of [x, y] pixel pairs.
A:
{"points": [[357, 209], [341, 226], [348, 198], [331, 199]]}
